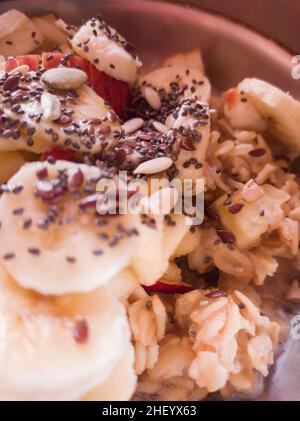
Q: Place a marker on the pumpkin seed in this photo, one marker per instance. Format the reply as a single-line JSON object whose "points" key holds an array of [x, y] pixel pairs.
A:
{"points": [[64, 78]]}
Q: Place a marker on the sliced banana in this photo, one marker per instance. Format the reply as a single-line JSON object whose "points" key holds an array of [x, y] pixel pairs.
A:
{"points": [[57, 348], [50, 30], [191, 80], [47, 229], [103, 46], [78, 120], [120, 385], [156, 244], [18, 34], [148, 261], [194, 119], [10, 163], [123, 284], [191, 59], [241, 114], [281, 109]]}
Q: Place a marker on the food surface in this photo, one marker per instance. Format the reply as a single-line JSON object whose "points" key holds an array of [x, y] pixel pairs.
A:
{"points": [[144, 220]]}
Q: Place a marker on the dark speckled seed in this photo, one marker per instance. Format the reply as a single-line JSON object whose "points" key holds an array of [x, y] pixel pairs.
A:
{"points": [[215, 294], [18, 211], [97, 252], [27, 223], [11, 83], [256, 153], [226, 236], [187, 144], [17, 189], [76, 179], [9, 256], [42, 173], [81, 331], [237, 207], [34, 251], [71, 259]]}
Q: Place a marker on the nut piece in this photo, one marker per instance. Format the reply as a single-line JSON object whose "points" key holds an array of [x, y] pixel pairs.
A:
{"points": [[64, 78], [154, 166], [50, 106]]}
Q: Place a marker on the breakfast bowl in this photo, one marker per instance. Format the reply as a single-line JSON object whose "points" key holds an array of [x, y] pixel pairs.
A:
{"points": [[149, 299]]}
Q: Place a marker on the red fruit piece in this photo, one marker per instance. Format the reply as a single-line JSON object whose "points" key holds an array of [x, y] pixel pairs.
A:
{"points": [[51, 60], [59, 154], [163, 287], [230, 97], [32, 61], [115, 92]]}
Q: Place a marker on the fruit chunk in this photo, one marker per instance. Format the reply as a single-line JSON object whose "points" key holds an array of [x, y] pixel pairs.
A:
{"points": [[191, 59], [57, 348], [18, 34], [59, 154], [248, 221], [121, 384], [115, 92], [107, 49], [47, 226], [31, 60], [50, 31], [166, 287], [280, 108]]}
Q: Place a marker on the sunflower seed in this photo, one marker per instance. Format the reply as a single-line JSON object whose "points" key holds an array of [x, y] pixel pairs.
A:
{"points": [[169, 122], [20, 69], [131, 126], [160, 127], [152, 98], [64, 78], [252, 191], [51, 107], [154, 166]]}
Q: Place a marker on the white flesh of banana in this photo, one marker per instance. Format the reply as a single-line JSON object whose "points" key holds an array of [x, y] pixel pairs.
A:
{"points": [[94, 42], [18, 34], [74, 253], [280, 108], [43, 354]]}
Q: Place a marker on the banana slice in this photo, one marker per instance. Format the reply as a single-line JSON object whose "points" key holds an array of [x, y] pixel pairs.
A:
{"points": [[50, 30], [241, 114], [191, 59], [123, 284], [156, 245], [281, 109], [103, 46], [57, 348], [51, 227], [193, 83], [78, 120], [10, 163], [192, 130], [121, 384], [148, 261], [18, 34]]}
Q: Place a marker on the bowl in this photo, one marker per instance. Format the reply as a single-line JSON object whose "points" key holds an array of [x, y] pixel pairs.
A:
{"points": [[231, 52]]}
